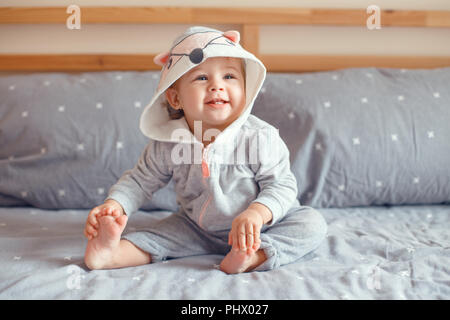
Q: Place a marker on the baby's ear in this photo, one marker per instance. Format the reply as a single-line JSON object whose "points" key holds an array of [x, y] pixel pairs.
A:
{"points": [[233, 35], [161, 59], [172, 98]]}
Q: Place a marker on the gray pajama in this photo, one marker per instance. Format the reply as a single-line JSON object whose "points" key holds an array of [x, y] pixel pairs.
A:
{"points": [[213, 190], [299, 232]]}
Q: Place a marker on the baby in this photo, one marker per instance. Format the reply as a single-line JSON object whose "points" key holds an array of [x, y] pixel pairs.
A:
{"points": [[199, 123]]}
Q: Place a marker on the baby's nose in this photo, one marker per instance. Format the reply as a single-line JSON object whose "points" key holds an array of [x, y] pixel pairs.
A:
{"points": [[216, 84]]}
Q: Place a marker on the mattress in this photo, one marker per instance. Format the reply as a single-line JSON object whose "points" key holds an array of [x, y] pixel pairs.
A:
{"points": [[399, 252]]}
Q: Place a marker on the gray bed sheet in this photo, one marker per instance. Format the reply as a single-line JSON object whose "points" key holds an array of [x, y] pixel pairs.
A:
{"points": [[398, 252]]}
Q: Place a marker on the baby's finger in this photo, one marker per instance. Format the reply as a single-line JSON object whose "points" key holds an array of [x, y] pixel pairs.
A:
{"points": [[92, 219], [116, 213], [242, 245], [122, 220], [91, 231], [100, 212], [108, 211], [250, 235], [235, 241], [94, 211], [88, 235], [257, 240], [242, 241]]}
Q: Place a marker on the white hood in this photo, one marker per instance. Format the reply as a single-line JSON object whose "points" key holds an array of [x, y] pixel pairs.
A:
{"points": [[190, 49]]}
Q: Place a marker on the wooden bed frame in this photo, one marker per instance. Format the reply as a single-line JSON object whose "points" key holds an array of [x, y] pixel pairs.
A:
{"points": [[249, 20]]}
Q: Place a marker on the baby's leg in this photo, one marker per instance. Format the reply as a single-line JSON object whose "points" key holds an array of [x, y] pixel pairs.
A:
{"points": [[107, 251], [300, 232]]}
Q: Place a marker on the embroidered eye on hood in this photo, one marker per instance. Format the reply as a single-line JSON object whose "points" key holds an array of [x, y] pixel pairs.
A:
{"points": [[189, 50]]}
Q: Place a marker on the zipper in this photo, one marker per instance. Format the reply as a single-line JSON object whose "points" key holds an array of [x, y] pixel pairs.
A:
{"points": [[205, 169], [205, 174], [202, 213]]}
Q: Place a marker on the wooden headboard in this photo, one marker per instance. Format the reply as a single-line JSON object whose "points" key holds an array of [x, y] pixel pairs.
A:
{"points": [[249, 20]]}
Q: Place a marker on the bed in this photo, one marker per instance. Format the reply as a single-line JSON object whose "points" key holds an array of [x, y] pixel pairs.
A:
{"points": [[369, 146]]}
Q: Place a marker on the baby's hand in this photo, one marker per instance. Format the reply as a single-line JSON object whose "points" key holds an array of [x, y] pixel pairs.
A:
{"points": [[110, 207], [245, 231]]}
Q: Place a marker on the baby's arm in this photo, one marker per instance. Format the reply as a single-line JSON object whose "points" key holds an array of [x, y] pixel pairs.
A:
{"points": [[277, 183], [137, 185], [278, 191], [133, 188]]}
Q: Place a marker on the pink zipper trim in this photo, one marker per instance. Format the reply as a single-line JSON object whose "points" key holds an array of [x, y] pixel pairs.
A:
{"points": [[205, 174], [205, 169], [205, 205]]}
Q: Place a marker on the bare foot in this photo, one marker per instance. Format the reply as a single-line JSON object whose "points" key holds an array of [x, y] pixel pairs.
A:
{"points": [[242, 261], [100, 250]]}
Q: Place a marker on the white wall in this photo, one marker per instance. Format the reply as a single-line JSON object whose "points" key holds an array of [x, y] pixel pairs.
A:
{"points": [[274, 39]]}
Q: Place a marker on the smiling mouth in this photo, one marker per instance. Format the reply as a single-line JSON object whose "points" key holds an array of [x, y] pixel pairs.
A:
{"points": [[217, 103]]}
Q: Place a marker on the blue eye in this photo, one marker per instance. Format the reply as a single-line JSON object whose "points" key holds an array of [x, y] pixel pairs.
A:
{"points": [[204, 77]]}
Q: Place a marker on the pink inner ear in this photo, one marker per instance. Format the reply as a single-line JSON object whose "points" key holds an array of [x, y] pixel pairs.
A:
{"points": [[232, 35], [161, 59]]}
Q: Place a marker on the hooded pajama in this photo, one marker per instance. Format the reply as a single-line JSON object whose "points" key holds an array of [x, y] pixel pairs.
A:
{"points": [[247, 162]]}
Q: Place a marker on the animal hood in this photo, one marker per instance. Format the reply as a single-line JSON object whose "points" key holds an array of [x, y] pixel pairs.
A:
{"points": [[190, 49]]}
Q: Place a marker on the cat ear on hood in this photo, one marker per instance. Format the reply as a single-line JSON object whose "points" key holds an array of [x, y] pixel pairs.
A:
{"points": [[232, 35], [161, 59]]}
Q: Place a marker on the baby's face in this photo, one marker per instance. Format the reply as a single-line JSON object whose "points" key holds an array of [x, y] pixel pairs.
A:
{"points": [[213, 92]]}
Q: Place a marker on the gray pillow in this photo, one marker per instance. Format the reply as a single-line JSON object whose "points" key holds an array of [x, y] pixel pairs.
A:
{"points": [[357, 136], [361, 137], [65, 139]]}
